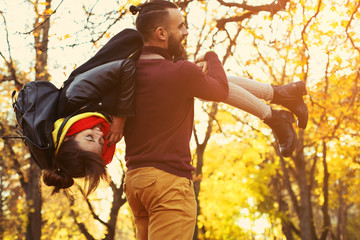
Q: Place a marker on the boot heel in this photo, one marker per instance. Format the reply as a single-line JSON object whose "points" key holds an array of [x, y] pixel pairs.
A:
{"points": [[288, 116], [290, 97], [281, 123]]}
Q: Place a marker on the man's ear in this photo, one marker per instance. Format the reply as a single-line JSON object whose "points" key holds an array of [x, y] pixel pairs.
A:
{"points": [[161, 33]]}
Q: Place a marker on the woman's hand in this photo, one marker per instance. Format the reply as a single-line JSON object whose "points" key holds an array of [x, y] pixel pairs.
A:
{"points": [[116, 130], [202, 63]]}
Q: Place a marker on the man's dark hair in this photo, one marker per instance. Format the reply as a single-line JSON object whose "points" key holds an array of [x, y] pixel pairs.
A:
{"points": [[151, 16]]}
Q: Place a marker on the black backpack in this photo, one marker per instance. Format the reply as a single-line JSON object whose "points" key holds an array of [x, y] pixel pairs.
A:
{"points": [[36, 106], [36, 111]]}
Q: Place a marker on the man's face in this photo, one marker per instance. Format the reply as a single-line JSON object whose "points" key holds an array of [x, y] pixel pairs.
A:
{"points": [[176, 33]]}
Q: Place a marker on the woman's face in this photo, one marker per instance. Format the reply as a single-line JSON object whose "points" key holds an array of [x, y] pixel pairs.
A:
{"points": [[91, 140]]}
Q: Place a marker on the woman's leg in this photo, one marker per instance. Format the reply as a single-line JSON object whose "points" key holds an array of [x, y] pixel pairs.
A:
{"points": [[288, 96], [244, 100], [279, 121], [260, 90]]}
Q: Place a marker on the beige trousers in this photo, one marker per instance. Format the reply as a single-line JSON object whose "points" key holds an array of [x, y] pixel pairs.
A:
{"points": [[163, 204], [246, 94]]}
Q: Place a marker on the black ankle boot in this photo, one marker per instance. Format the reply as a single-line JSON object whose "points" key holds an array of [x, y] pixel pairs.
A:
{"points": [[281, 124], [290, 96]]}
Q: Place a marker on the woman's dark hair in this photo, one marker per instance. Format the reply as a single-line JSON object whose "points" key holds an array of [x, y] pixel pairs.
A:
{"points": [[73, 162], [151, 15]]}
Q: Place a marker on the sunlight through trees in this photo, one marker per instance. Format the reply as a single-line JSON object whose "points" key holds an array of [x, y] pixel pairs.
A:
{"points": [[244, 188]]}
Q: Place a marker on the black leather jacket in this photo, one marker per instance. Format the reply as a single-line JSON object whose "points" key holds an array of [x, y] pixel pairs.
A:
{"points": [[107, 88]]}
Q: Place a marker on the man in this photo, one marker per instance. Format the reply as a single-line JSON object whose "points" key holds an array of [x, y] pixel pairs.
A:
{"points": [[158, 183]]}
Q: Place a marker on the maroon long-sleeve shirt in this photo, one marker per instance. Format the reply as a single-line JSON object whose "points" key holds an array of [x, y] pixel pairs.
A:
{"points": [[159, 134]]}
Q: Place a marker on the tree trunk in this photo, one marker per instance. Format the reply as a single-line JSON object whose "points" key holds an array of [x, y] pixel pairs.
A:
{"points": [[325, 207], [197, 181], [340, 235], [2, 229], [283, 208], [41, 35], [117, 203], [307, 230], [33, 194], [34, 201], [200, 150]]}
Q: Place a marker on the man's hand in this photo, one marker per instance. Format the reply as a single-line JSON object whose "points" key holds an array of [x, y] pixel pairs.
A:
{"points": [[202, 63], [116, 130]]}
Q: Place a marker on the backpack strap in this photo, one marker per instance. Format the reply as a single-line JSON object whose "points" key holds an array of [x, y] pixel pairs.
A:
{"points": [[135, 55], [60, 130], [65, 121], [13, 98], [19, 132]]}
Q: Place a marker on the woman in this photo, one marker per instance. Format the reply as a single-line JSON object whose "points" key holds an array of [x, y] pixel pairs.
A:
{"points": [[93, 106], [100, 92]]}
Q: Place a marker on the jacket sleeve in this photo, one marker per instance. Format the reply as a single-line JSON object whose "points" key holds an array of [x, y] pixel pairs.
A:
{"points": [[96, 83]]}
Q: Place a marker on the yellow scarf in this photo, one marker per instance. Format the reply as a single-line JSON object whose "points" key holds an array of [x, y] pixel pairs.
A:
{"points": [[70, 122]]}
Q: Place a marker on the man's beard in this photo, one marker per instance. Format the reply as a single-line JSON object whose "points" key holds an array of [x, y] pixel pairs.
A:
{"points": [[175, 47]]}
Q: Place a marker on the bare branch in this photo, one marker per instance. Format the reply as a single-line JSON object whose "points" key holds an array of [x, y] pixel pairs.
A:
{"points": [[89, 13], [9, 63], [182, 4], [199, 43], [231, 44], [196, 136], [348, 26], [211, 114], [95, 216], [303, 36], [108, 27], [75, 215], [220, 23], [273, 8], [7, 38], [271, 72], [45, 20]]}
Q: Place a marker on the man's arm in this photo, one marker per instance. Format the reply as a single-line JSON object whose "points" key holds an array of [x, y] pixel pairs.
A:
{"points": [[212, 86]]}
